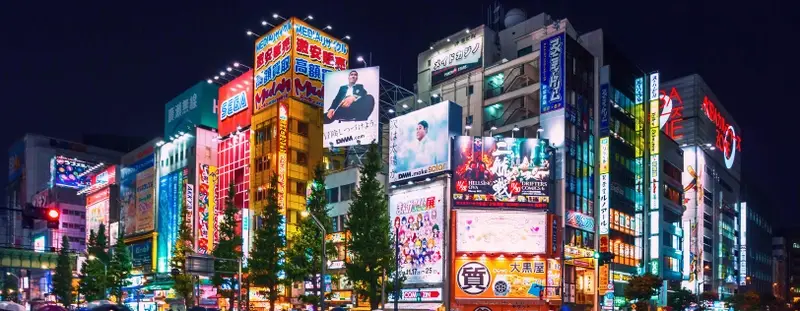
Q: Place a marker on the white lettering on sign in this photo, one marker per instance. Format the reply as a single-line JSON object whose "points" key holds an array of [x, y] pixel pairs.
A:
{"points": [[233, 105], [556, 46], [604, 209], [181, 108], [654, 83]]}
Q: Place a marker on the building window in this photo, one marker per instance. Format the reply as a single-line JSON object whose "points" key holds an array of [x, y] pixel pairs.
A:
{"points": [[262, 164], [525, 51], [332, 195], [302, 128], [796, 245], [347, 191], [300, 188]]}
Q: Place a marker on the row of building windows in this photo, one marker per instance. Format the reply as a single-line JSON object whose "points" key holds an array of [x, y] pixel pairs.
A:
{"points": [[341, 193], [266, 131]]}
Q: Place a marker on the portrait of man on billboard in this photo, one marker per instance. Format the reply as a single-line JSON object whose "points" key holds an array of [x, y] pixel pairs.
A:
{"points": [[352, 102], [425, 153]]}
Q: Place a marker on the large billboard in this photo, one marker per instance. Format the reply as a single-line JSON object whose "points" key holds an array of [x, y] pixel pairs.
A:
{"points": [[419, 142], [16, 160], [291, 60], [141, 255], [417, 216], [170, 201], [457, 59], [236, 104], [97, 209], [70, 172], [501, 172], [551, 70], [106, 177], [515, 232], [195, 106], [351, 107], [506, 278], [136, 197]]}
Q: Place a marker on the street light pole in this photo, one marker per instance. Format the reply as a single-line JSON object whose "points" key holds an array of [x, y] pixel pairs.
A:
{"points": [[323, 257], [105, 273], [18, 281]]}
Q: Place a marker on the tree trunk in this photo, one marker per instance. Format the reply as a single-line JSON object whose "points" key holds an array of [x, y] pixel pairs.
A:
{"points": [[373, 296]]}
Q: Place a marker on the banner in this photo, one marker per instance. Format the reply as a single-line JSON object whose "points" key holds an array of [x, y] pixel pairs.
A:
{"points": [[205, 208], [551, 70], [417, 217], [456, 59], [145, 211], [350, 113], [504, 172], [97, 205]]}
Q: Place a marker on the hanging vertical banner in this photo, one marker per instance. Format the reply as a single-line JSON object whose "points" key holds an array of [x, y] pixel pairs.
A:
{"points": [[283, 150], [605, 186], [654, 127], [551, 71]]}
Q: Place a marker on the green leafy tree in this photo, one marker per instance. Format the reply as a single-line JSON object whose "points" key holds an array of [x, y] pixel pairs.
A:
{"points": [[10, 289], [747, 301], [680, 298], [266, 256], [304, 257], [229, 247], [62, 279], [183, 282], [640, 288], [370, 244], [120, 268], [94, 280]]}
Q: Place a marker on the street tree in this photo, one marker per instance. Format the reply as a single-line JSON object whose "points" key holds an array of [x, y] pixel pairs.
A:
{"points": [[680, 298], [368, 221], [120, 268], [266, 256], [640, 288], [230, 248], [93, 272], [62, 278], [745, 301], [183, 282], [304, 257]]}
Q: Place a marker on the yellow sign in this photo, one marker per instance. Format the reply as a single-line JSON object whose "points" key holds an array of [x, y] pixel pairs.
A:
{"points": [[654, 126], [283, 153], [605, 155], [506, 278]]}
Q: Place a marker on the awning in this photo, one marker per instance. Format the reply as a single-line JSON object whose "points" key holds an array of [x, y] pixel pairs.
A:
{"points": [[410, 306]]}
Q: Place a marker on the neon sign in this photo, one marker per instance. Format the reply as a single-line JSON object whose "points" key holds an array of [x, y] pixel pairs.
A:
{"points": [[283, 147], [727, 139], [671, 113]]}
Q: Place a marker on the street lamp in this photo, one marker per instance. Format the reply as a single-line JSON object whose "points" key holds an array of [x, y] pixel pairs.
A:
{"points": [[105, 272], [322, 273]]}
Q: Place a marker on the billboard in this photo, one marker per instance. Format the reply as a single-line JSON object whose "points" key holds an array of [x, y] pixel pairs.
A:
{"points": [[107, 177], [97, 209], [195, 106], [170, 201], [207, 176], [291, 60], [136, 197], [16, 160], [417, 216], [236, 104], [419, 142], [351, 107], [551, 70], [501, 172], [142, 254], [457, 59], [40, 244], [70, 172], [514, 232], [505, 278]]}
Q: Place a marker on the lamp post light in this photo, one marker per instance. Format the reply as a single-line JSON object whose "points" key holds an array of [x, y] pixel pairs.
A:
{"points": [[323, 259]]}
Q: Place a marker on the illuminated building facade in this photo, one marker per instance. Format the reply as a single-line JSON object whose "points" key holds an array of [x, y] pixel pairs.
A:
{"points": [[712, 146], [756, 263]]}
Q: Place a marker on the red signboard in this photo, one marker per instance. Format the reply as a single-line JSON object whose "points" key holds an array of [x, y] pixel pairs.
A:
{"points": [[728, 141], [106, 177], [235, 104]]}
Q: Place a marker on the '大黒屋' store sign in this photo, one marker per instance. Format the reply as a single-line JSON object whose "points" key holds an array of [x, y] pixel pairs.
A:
{"points": [[728, 141], [508, 278]]}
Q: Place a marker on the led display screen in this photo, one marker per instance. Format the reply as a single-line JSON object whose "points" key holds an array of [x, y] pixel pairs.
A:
{"points": [[70, 172], [515, 232]]}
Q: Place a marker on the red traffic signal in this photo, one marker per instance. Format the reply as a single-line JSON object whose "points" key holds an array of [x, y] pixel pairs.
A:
{"points": [[52, 217], [53, 213]]}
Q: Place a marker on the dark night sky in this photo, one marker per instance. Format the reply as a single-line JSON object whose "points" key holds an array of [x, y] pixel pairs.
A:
{"points": [[109, 66]]}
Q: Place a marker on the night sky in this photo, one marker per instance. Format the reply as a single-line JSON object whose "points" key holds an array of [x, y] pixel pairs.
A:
{"points": [[110, 66]]}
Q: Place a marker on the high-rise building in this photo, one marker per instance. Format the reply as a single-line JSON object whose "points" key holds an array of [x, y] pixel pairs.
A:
{"points": [[755, 243], [711, 141]]}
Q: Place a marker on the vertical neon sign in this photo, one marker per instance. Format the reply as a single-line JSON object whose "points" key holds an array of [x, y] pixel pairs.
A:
{"points": [[743, 249], [639, 169], [283, 147], [654, 127]]}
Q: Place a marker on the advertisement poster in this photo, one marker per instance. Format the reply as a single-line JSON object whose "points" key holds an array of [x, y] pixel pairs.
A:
{"points": [[502, 172], [273, 60], [207, 175], [457, 59], [145, 213], [97, 205], [488, 277], [132, 175], [236, 107], [417, 216], [419, 142], [170, 200], [69, 172], [514, 232], [107, 177], [142, 254], [351, 107], [16, 160], [551, 70]]}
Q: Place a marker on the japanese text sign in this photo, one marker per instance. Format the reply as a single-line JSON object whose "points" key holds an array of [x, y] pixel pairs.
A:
{"points": [[417, 216], [551, 70], [509, 278]]}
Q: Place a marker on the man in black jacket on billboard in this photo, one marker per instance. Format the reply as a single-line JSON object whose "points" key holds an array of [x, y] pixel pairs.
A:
{"points": [[352, 103]]}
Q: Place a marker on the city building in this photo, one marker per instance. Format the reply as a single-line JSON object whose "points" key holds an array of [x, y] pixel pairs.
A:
{"points": [[755, 243], [792, 242], [694, 117], [780, 267]]}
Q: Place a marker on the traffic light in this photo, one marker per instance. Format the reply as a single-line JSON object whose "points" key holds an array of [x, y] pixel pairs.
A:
{"points": [[603, 257], [52, 216]]}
